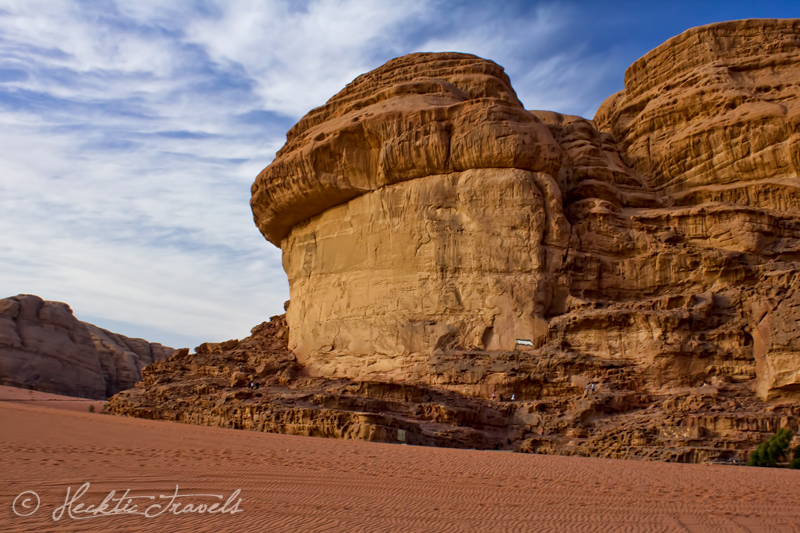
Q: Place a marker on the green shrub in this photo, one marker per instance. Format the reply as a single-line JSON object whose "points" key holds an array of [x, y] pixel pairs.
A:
{"points": [[91, 408], [775, 450], [795, 462]]}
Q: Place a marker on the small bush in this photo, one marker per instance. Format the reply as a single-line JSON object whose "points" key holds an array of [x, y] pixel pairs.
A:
{"points": [[776, 449], [795, 462], [91, 408]]}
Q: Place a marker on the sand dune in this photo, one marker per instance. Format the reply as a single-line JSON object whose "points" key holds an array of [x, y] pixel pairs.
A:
{"points": [[293, 483]]}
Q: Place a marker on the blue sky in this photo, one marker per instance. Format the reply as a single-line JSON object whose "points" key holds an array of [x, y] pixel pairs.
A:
{"points": [[132, 131]]}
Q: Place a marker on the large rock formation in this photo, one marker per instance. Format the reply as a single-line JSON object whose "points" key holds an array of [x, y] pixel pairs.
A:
{"points": [[44, 347], [428, 223], [711, 121], [416, 211], [423, 211]]}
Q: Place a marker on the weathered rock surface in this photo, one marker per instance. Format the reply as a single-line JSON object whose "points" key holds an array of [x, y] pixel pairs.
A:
{"points": [[44, 347], [428, 221], [454, 222], [423, 211], [551, 411]]}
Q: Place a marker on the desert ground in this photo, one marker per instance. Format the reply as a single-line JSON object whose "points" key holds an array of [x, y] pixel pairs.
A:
{"points": [[52, 445], [30, 397]]}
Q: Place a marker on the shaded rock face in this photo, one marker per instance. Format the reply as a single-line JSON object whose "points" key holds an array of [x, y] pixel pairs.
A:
{"points": [[44, 347], [423, 212], [710, 120], [540, 405]]}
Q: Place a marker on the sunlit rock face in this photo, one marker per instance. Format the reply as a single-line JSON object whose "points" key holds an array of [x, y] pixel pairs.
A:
{"points": [[710, 120], [448, 261], [417, 210], [712, 114], [423, 211]]}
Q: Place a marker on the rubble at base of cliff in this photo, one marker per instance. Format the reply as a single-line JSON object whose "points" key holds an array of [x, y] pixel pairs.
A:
{"points": [[552, 411]]}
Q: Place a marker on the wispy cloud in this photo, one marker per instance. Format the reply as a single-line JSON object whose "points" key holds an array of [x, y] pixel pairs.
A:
{"points": [[125, 173], [131, 132]]}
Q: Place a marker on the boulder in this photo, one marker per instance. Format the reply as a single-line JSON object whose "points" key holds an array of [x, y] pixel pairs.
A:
{"points": [[238, 379]]}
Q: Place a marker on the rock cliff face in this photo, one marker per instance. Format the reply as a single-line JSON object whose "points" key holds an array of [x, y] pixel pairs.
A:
{"points": [[711, 121], [540, 406], [428, 222], [417, 211], [44, 347], [423, 211]]}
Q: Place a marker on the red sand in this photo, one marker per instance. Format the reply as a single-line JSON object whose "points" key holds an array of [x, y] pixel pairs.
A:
{"points": [[30, 397], [306, 484]]}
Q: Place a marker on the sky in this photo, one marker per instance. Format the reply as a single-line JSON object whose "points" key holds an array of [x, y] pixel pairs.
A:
{"points": [[131, 131]]}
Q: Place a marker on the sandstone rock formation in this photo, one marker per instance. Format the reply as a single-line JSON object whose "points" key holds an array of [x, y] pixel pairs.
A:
{"points": [[433, 222], [424, 211], [428, 222], [44, 347], [711, 121], [551, 411]]}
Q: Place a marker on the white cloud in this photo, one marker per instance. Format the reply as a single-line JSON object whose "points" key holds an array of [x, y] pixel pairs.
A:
{"points": [[89, 43], [301, 57]]}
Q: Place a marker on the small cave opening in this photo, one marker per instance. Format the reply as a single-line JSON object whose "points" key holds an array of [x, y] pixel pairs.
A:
{"points": [[486, 338], [748, 339]]}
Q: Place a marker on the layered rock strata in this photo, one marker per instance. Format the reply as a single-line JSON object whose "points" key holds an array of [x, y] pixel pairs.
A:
{"points": [[44, 347], [551, 411], [417, 210], [423, 211]]}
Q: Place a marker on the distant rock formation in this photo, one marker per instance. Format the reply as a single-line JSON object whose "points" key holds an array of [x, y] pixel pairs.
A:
{"points": [[423, 211], [44, 347]]}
